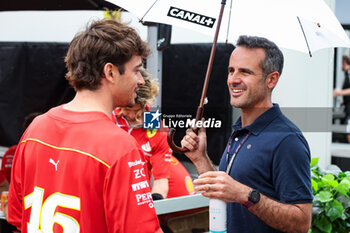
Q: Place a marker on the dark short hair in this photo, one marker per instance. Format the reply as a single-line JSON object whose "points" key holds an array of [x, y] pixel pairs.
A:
{"points": [[29, 118], [346, 59], [273, 55], [101, 42]]}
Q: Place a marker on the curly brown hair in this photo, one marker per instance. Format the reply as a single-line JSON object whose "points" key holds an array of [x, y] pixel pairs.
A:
{"points": [[147, 93], [103, 41]]}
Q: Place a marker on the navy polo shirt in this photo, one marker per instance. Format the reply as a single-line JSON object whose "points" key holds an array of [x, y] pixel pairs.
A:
{"points": [[275, 159]]}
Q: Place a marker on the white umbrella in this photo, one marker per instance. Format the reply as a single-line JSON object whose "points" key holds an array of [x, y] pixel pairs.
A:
{"points": [[282, 21], [302, 25]]}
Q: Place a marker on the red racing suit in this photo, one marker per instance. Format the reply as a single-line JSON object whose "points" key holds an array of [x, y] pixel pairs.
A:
{"points": [[76, 172], [160, 161]]}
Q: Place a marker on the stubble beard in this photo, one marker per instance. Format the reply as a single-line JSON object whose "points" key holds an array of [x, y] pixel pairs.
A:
{"points": [[249, 101]]}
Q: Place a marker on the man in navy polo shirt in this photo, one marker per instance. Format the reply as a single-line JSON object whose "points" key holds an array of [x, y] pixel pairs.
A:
{"points": [[265, 170]]}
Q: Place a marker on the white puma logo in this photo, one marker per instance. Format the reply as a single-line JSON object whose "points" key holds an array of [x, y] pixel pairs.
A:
{"points": [[53, 162]]}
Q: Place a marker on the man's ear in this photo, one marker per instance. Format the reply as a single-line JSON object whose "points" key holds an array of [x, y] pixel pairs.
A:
{"points": [[272, 79], [110, 72]]}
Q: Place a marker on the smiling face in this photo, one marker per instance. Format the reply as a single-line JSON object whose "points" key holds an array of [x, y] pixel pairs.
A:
{"points": [[126, 84], [247, 86], [345, 66]]}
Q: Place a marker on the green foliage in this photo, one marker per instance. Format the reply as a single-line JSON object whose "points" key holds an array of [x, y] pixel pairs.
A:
{"points": [[331, 205]]}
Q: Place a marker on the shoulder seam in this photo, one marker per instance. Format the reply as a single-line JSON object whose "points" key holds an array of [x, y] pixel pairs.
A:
{"points": [[66, 149]]}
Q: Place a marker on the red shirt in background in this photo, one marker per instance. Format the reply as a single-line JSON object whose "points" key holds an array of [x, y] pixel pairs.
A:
{"points": [[160, 161], [6, 163]]}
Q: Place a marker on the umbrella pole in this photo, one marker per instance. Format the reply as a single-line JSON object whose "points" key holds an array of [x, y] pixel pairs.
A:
{"points": [[302, 29], [200, 108]]}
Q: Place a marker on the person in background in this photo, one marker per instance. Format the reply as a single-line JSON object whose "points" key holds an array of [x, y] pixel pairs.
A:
{"points": [[264, 172], [6, 162], [5, 172], [170, 177], [74, 169], [345, 92]]}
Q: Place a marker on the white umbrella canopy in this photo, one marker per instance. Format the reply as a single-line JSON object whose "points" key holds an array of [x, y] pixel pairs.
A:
{"points": [[277, 20], [305, 26]]}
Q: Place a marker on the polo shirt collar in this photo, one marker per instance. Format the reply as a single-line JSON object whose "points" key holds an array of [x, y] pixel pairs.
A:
{"points": [[261, 122]]}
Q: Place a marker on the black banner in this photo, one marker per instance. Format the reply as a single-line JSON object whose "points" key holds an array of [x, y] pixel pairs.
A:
{"points": [[31, 80]]}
